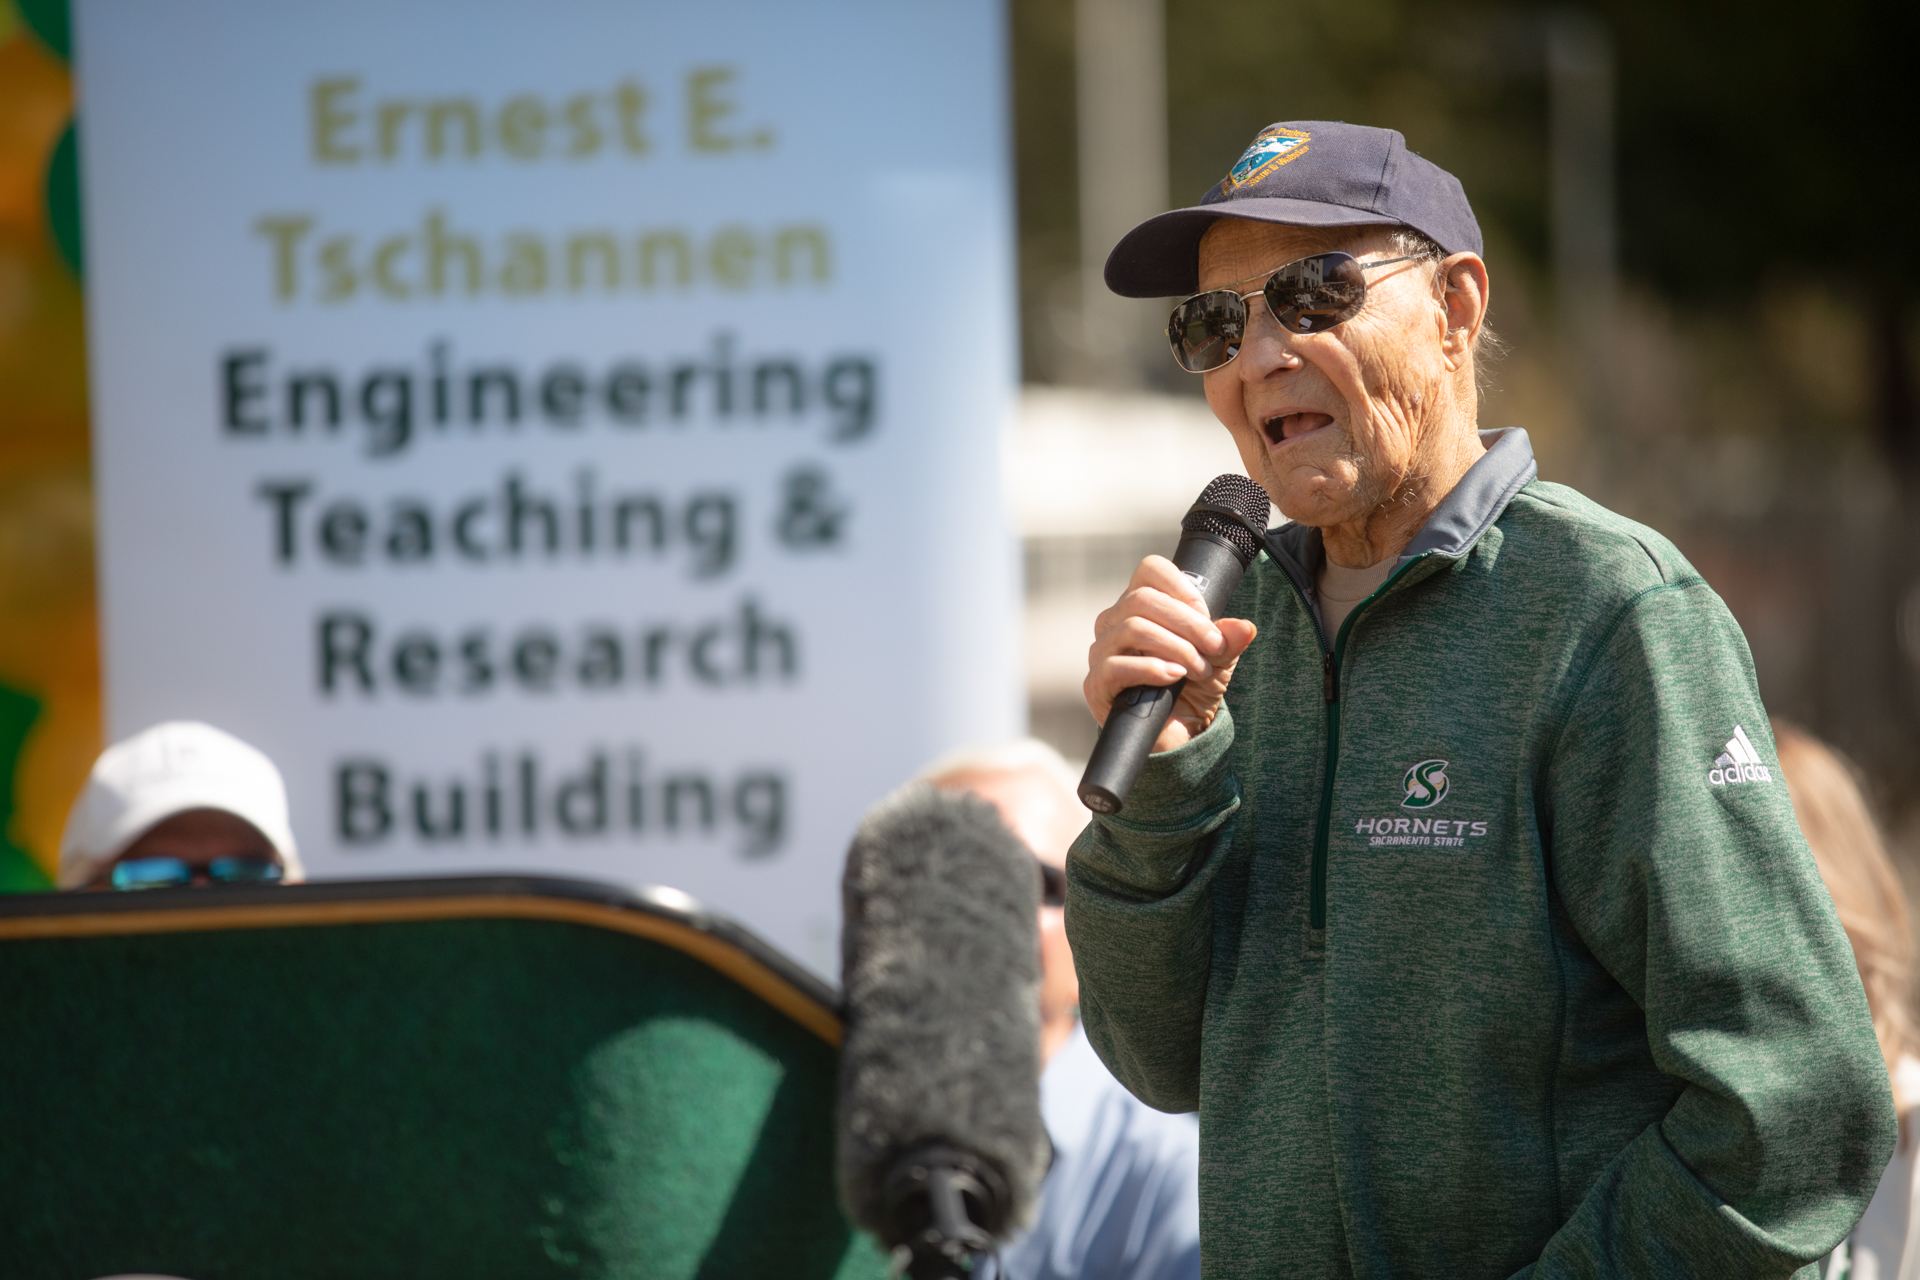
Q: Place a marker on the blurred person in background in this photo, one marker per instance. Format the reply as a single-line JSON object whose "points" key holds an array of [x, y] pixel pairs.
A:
{"points": [[1866, 891], [1460, 896], [179, 804], [1122, 1199]]}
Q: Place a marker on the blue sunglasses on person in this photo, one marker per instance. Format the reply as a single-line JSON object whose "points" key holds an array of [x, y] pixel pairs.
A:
{"points": [[171, 873]]}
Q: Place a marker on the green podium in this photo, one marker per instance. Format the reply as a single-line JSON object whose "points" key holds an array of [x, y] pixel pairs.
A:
{"points": [[458, 1078]]}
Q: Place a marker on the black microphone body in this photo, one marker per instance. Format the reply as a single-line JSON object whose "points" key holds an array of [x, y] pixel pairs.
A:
{"points": [[941, 1147], [1218, 540]]}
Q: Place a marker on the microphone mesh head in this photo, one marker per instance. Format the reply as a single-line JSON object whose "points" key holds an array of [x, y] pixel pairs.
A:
{"points": [[1239, 495]]}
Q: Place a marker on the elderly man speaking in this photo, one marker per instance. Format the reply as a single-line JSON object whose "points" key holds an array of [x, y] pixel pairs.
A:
{"points": [[1462, 896]]}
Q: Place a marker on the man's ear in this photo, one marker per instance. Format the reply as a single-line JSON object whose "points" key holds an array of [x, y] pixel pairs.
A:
{"points": [[1464, 297]]}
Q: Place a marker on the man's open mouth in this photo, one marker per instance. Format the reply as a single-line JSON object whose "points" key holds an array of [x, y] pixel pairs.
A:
{"points": [[1286, 426]]}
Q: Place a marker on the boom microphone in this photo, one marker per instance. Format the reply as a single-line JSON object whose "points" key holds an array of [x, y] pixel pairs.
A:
{"points": [[941, 1146], [1218, 540]]}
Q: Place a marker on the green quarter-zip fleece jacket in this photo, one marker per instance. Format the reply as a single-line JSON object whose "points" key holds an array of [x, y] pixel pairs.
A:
{"points": [[1481, 934]]}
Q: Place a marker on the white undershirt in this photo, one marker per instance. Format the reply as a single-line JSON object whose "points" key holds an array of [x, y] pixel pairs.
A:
{"points": [[1342, 588]]}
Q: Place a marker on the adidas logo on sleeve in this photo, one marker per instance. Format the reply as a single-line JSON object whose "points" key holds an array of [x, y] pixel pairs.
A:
{"points": [[1738, 763]]}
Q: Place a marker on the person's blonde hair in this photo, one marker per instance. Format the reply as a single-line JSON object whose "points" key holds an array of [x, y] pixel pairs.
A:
{"points": [[1866, 890]]}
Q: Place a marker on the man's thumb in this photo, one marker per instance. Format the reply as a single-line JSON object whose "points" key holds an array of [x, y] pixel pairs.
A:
{"points": [[1238, 633]]}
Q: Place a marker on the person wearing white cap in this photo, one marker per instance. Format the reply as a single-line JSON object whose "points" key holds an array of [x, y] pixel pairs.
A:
{"points": [[182, 803]]}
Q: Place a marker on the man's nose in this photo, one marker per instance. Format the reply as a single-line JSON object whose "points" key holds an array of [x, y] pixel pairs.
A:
{"points": [[1266, 347]]}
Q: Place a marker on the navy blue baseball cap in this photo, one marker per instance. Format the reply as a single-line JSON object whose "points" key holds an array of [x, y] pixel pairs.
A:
{"points": [[1301, 173]]}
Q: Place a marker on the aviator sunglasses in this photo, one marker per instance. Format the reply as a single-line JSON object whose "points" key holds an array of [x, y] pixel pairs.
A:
{"points": [[1309, 296], [168, 873]]}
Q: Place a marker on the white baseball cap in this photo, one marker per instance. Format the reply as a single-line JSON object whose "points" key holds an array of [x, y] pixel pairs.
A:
{"points": [[168, 769]]}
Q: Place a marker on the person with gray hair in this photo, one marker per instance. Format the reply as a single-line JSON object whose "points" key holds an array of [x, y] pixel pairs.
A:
{"points": [[1461, 895], [1121, 1201]]}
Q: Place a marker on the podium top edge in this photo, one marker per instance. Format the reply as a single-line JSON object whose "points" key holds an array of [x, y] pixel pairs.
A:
{"points": [[661, 914]]}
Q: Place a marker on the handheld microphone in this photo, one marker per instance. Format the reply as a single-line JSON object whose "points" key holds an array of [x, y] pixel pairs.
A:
{"points": [[1218, 540], [941, 1147]]}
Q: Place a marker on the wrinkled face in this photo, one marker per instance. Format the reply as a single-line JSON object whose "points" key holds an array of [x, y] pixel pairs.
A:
{"points": [[1332, 423]]}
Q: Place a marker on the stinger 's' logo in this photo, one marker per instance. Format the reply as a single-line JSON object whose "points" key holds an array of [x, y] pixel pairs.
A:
{"points": [[1274, 147], [1426, 785]]}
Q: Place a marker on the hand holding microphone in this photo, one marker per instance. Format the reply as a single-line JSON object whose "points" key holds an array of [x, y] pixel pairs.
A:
{"points": [[1160, 663]]}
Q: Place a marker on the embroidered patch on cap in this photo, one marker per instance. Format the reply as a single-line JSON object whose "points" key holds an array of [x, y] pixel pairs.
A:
{"points": [[1274, 147]]}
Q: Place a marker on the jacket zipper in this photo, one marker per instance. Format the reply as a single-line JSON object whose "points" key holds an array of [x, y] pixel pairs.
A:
{"points": [[1330, 694]]}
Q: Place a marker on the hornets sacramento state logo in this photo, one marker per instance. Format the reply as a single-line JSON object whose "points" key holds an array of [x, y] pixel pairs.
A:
{"points": [[1274, 147], [1426, 785]]}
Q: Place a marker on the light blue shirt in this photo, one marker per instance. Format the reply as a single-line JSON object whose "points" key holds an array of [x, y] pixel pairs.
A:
{"points": [[1122, 1200]]}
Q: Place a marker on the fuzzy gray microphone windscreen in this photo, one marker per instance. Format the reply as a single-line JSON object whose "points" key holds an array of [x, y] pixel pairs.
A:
{"points": [[940, 956]]}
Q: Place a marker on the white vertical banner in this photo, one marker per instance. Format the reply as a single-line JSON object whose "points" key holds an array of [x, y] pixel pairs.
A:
{"points": [[564, 436]]}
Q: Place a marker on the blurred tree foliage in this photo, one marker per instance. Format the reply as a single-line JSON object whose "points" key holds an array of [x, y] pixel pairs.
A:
{"points": [[49, 668], [1763, 137]]}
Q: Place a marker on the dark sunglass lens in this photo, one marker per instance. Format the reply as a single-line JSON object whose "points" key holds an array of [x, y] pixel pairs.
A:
{"points": [[1053, 885], [1317, 293], [243, 870], [1206, 330], [151, 873]]}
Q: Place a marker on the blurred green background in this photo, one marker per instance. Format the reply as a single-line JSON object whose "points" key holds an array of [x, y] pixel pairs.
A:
{"points": [[49, 665]]}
